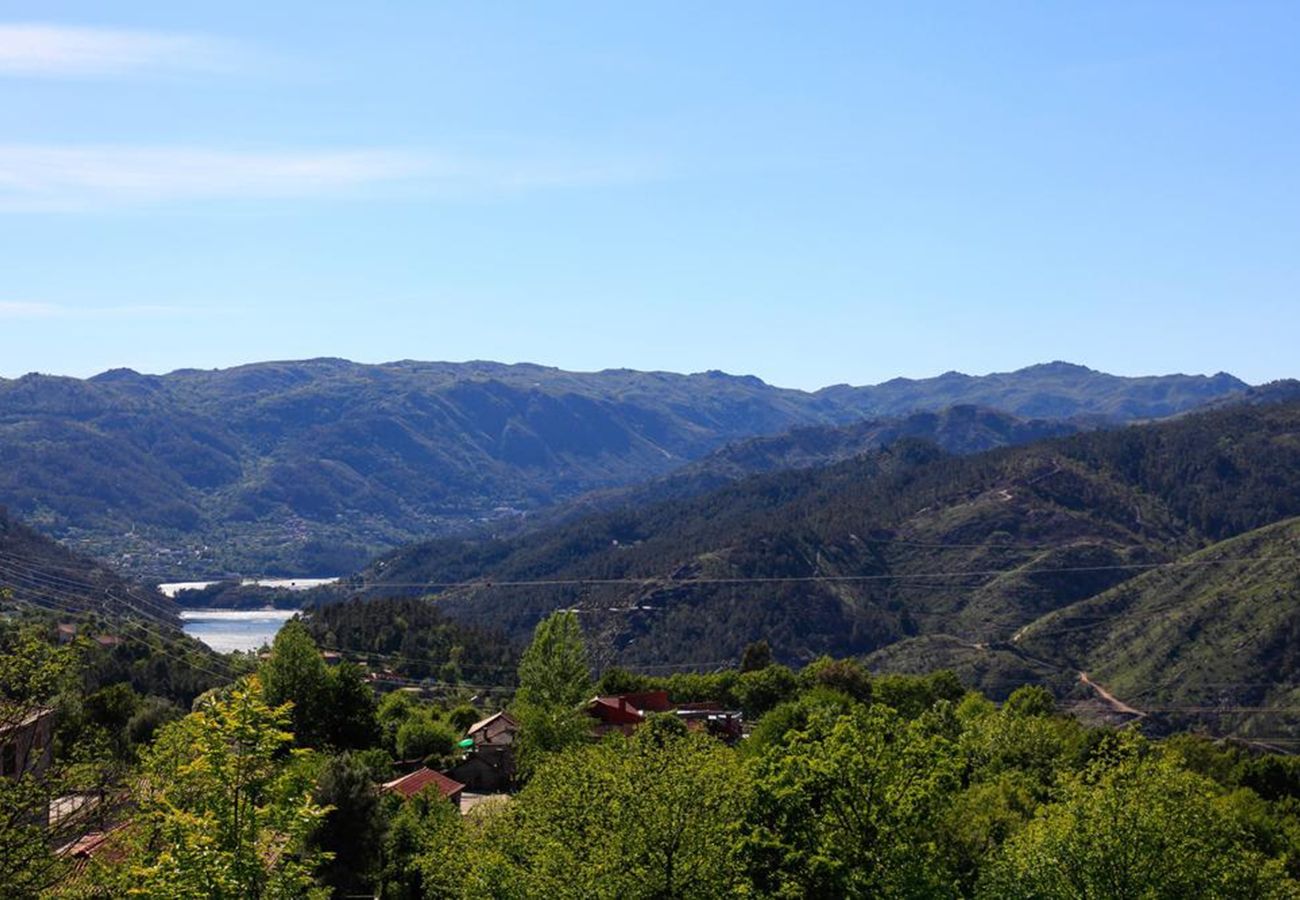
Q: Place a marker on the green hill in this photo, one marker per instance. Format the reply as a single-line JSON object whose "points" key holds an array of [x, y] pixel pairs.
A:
{"points": [[896, 544], [312, 467], [1208, 642], [41, 575]]}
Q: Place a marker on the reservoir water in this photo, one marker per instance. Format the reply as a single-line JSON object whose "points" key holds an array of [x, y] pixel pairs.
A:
{"points": [[225, 630], [171, 589]]}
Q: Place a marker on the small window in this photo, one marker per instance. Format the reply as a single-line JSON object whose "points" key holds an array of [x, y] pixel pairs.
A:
{"points": [[9, 759]]}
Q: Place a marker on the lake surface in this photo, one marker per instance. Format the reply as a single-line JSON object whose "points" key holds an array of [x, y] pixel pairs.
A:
{"points": [[172, 588], [225, 630]]}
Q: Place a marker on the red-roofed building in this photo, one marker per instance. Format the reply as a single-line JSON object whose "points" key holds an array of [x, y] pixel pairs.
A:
{"points": [[623, 712], [108, 846], [423, 779]]}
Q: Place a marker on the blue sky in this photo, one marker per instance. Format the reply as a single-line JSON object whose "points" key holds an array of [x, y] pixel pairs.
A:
{"points": [[812, 193]]}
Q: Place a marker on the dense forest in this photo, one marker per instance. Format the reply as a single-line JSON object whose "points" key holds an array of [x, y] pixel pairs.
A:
{"points": [[413, 638]]}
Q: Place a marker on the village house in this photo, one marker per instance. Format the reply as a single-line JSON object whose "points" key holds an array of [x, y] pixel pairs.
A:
{"points": [[423, 779], [624, 712], [490, 764]]}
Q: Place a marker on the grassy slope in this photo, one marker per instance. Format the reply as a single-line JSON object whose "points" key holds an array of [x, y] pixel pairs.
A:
{"points": [[1221, 631]]}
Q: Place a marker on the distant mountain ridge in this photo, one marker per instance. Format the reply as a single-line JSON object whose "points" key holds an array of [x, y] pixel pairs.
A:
{"points": [[310, 467]]}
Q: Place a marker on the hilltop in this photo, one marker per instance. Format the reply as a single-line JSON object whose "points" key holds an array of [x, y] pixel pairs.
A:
{"points": [[312, 467]]}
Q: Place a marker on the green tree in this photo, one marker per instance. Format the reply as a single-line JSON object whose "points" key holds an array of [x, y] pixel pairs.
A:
{"points": [[555, 670], [152, 714], [1134, 824], [352, 833], [225, 807], [349, 722], [844, 675], [849, 806], [1030, 700], [427, 853], [464, 716], [761, 689], [421, 736], [33, 672], [757, 655], [295, 673], [912, 695], [554, 682], [651, 816], [394, 709]]}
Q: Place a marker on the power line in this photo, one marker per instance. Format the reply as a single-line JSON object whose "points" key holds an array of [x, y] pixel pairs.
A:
{"points": [[52, 600], [670, 582]]}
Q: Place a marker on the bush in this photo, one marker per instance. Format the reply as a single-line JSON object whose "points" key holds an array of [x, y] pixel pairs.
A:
{"points": [[421, 737]]}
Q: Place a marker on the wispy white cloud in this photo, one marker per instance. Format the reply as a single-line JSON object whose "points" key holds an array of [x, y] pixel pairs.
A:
{"points": [[63, 178], [23, 309], [34, 49]]}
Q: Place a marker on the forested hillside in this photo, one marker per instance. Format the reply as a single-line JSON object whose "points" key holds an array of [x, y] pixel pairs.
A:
{"points": [[956, 429], [41, 573], [939, 558], [312, 467]]}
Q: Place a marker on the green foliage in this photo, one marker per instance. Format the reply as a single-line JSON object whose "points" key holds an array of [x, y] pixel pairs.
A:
{"points": [[847, 808], [554, 681], [332, 707], [555, 670], [352, 832], [652, 816], [225, 808], [296, 674], [1134, 826], [844, 675], [394, 708], [463, 716], [761, 689], [757, 655], [350, 722], [1031, 700], [912, 695], [794, 715], [420, 736], [151, 715], [427, 853]]}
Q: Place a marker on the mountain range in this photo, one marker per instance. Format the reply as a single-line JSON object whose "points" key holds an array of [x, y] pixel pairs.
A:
{"points": [[312, 467]]}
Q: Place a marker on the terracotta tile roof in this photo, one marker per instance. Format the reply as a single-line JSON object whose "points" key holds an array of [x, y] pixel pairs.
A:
{"points": [[410, 785]]}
